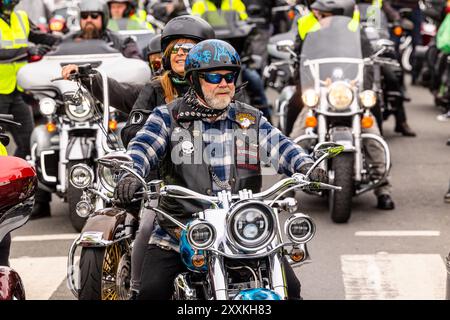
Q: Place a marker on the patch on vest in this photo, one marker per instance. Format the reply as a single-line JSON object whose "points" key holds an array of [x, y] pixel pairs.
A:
{"points": [[245, 120], [247, 156], [137, 118]]}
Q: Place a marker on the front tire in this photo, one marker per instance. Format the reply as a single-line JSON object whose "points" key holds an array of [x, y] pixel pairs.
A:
{"points": [[340, 202], [105, 273]]}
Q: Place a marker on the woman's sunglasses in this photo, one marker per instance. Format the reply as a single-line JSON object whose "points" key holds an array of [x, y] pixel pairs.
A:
{"points": [[93, 15], [183, 46], [216, 78]]}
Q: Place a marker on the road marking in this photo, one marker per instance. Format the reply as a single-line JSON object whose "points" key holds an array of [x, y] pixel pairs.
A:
{"points": [[394, 276], [40, 276], [399, 233], [46, 237]]}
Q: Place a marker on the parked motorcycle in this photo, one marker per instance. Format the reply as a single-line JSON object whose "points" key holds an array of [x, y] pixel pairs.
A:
{"points": [[331, 76], [106, 239], [234, 249], [18, 181], [72, 134]]}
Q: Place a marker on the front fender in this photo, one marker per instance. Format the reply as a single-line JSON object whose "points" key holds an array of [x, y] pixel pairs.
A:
{"points": [[80, 148], [343, 136], [11, 286], [100, 228]]}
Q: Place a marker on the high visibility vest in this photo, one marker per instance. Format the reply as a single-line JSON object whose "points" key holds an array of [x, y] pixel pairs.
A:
{"points": [[309, 23], [3, 151], [201, 6], [13, 36], [141, 15], [131, 23]]}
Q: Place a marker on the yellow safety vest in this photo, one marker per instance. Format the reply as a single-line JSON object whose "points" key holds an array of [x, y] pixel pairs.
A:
{"points": [[309, 23], [201, 6], [13, 36], [141, 15], [133, 23], [3, 151]]}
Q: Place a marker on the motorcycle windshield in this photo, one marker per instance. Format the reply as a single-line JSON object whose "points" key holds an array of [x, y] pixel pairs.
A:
{"points": [[331, 53], [374, 21]]}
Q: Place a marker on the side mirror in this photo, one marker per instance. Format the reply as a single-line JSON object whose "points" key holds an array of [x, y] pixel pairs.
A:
{"points": [[330, 149], [285, 46]]}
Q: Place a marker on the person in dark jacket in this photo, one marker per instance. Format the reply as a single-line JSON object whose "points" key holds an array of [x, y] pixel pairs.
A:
{"points": [[94, 17], [177, 38], [209, 114]]}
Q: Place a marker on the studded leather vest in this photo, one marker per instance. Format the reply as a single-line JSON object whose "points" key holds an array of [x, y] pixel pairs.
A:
{"points": [[187, 146]]}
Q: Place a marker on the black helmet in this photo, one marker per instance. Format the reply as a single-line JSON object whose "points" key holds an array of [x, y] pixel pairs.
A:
{"points": [[8, 4], [336, 7], [209, 55], [154, 46], [96, 6], [131, 6], [185, 26]]}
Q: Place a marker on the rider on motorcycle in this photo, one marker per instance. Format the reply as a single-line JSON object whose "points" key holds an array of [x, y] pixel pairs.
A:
{"points": [[153, 55], [208, 112], [125, 9], [322, 9], [177, 38], [94, 17]]}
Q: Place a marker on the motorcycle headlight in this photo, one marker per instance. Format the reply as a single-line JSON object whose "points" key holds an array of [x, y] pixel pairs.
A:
{"points": [[81, 176], [310, 98], [80, 111], [368, 98], [108, 177], [201, 235], [251, 226], [340, 96], [47, 106], [299, 228]]}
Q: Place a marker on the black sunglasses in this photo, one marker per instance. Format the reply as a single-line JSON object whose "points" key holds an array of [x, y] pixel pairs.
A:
{"points": [[185, 47], [93, 15], [216, 78]]}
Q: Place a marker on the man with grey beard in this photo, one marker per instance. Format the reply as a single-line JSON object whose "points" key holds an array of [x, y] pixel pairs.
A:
{"points": [[207, 142], [94, 16]]}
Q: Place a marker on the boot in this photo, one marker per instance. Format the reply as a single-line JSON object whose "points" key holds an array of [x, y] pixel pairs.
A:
{"points": [[40, 210], [405, 130], [385, 202]]}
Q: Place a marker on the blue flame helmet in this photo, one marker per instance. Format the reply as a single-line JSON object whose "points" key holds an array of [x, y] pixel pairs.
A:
{"points": [[210, 55]]}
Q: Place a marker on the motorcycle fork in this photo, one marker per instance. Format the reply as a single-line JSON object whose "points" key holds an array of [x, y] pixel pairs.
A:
{"points": [[356, 128]]}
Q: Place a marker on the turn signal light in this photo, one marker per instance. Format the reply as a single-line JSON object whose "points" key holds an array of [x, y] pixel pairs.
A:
{"points": [[398, 31], [112, 125], [291, 14], [311, 122], [297, 255], [51, 127], [367, 122], [198, 260]]}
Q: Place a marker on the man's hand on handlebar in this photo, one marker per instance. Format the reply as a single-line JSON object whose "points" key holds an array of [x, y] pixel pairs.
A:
{"points": [[69, 70]]}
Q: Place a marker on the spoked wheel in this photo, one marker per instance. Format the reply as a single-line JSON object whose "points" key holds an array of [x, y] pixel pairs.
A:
{"points": [[105, 273]]}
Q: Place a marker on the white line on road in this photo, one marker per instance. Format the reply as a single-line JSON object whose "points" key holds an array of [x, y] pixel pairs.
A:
{"points": [[46, 237], [398, 233], [394, 276]]}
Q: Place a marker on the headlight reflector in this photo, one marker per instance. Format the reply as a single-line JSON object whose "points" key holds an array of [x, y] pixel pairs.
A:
{"points": [[108, 177], [47, 106], [368, 98], [81, 111], [310, 98], [81, 176], [251, 226], [299, 228], [340, 96], [201, 235]]}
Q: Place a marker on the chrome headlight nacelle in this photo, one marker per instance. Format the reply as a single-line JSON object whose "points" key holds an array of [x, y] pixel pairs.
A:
{"points": [[201, 234], [251, 225], [299, 228], [340, 95], [81, 176], [80, 108]]}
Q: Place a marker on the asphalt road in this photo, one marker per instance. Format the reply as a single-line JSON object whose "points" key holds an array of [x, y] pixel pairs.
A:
{"points": [[395, 254]]}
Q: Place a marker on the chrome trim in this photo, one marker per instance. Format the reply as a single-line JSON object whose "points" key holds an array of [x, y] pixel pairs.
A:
{"points": [[210, 241], [84, 166], [181, 285], [71, 268], [43, 168], [277, 275], [356, 129], [216, 273], [306, 238]]}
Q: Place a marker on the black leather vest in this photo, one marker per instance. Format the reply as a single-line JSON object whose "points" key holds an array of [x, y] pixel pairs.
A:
{"points": [[194, 173]]}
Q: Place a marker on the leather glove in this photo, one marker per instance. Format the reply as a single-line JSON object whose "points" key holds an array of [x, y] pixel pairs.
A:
{"points": [[318, 174], [126, 188], [38, 50]]}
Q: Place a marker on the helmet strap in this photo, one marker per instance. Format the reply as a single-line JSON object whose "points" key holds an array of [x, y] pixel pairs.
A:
{"points": [[197, 86]]}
